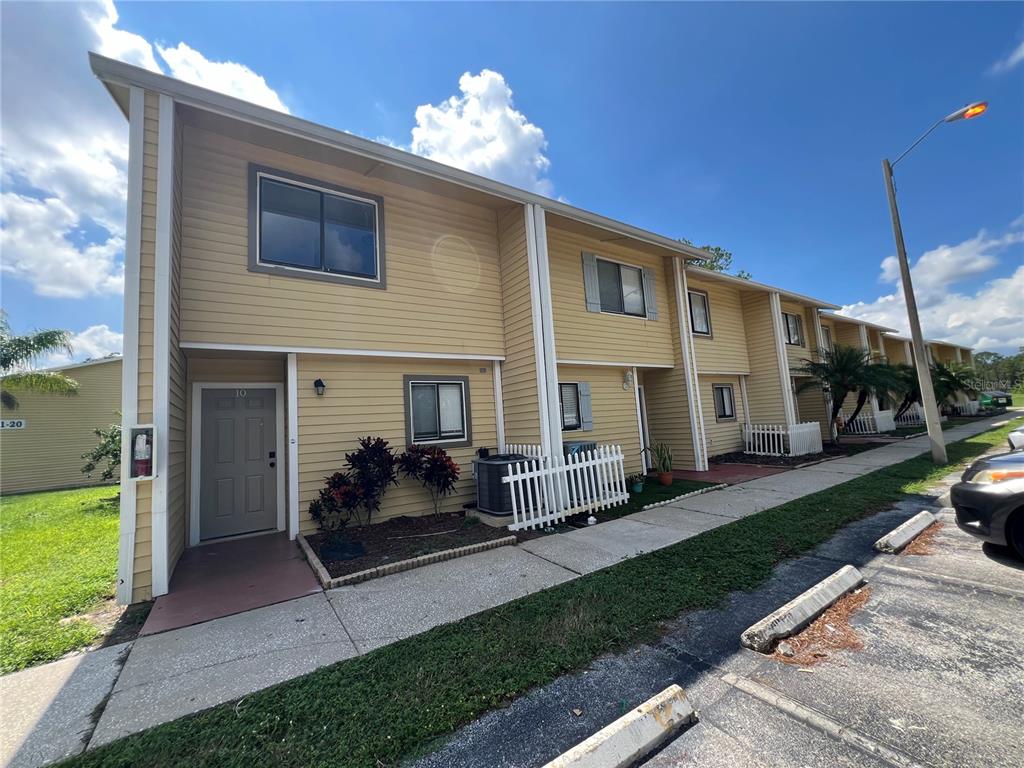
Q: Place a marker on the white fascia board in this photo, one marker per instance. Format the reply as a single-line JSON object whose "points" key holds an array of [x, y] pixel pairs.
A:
{"points": [[111, 71], [287, 349], [72, 366], [856, 321]]}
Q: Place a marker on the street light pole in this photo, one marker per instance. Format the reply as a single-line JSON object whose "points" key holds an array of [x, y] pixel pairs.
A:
{"points": [[924, 376]]}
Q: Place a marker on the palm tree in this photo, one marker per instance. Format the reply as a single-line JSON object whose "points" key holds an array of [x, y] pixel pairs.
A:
{"points": [[948, 380], [841, 371], [907, 389], [19, 352]]}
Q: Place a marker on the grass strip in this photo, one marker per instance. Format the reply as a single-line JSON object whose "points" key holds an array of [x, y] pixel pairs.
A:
{"points": [[58, 560], [394, 702]]}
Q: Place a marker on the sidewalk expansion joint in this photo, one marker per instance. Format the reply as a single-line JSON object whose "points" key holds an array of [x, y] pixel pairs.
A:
{"points": [[553, 562]]}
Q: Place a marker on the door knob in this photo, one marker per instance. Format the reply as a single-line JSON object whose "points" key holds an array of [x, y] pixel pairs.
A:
{"points": [[273, 464]]}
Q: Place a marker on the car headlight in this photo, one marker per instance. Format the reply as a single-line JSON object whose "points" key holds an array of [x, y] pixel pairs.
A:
{"points": [[989, 476]]}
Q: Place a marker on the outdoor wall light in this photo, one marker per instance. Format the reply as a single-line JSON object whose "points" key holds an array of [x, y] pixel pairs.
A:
{"points": [[320, 387], [627, 380]]}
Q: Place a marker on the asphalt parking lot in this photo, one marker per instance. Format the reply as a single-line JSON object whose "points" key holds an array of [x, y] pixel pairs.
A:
{"points": [[939, 680]]}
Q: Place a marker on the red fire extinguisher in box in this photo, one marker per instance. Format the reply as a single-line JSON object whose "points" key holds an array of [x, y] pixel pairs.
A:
{"points": [[142, 456]]}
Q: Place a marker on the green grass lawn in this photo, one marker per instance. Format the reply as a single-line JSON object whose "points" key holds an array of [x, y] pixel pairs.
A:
{"points": [[58, 559], [378, 709]]}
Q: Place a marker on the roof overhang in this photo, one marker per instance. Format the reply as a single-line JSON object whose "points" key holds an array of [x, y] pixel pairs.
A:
{"points": [[118, 77], [856, 321], [750, 285], [72, 366]]}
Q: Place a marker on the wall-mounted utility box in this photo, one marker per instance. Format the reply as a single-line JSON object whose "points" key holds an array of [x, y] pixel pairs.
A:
{"points": [[141, 451]]}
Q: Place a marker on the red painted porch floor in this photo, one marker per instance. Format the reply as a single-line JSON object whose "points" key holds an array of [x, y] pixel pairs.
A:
{"points": [[223, 578], [728, 473]]}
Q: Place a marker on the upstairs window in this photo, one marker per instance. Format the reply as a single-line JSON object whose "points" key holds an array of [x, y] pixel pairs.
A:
{"points": [[619, 289], [569, 400], [700, 313], [826, 338], [793, 328], [313, 230]]}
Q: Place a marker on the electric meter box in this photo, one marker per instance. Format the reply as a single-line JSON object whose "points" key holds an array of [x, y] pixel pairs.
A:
{"points": [[141, 451]]}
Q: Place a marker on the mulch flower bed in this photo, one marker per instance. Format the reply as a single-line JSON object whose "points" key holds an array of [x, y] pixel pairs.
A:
{"points": [[403, 538], [830, 451]]}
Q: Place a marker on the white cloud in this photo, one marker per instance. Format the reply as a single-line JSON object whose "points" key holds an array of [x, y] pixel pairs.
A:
{"points": [[1011, 60], [95, 342], [482, 132], [238, 80], [65, 155], [34, 237], [989, 318]]}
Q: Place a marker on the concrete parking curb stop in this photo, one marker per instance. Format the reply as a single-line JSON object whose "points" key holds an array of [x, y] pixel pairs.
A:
{"points": [[801, 611], [635, 734], [402, 565], [902, 535]]}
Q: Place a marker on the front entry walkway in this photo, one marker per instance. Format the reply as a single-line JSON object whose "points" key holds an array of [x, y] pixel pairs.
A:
{"points": [[728, 473], [223, 578]]}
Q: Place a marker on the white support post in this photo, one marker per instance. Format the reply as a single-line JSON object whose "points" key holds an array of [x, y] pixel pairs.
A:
{"points": [[130, 354], [867, 348], [537, 310], [293, 445], [639, 420], [499, 406], [548, 325], [788, 406], [819, 335], [689, 366], [908, 353], [161, 343]]}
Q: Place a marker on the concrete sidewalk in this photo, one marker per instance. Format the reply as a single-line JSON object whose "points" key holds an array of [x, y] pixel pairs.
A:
{"points": [[182, 671]]}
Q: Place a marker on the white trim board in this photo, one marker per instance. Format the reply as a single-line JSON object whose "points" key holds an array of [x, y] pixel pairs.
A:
{"points": [[196, 443], [337, 352], [162, 346], [615, 364], [293, 446], [130, 359]]}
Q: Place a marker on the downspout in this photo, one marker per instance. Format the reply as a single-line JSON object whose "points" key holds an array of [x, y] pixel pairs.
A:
{"points": [[548, 325]]}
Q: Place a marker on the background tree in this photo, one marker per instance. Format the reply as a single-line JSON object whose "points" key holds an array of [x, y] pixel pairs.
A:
{"points": [[17, 352], [720, 260], [107, 451], [998, 371], [841, 371]]}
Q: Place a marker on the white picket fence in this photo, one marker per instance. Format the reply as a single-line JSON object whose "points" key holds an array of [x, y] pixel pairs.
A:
{"points": [[548, 489], [782, 440], [870, 424], [969, 408], [913, 417]]}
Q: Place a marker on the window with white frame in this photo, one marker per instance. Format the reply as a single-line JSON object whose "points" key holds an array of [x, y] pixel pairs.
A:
{"points": [[725, 403], [436, 410], [621, 287], [826, 338], [569, 401], [700, 313], [793, 328], [313, 229]]}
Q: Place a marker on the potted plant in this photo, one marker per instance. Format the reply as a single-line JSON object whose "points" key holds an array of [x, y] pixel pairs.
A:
{"points": [[636, 483], [662, 454]]}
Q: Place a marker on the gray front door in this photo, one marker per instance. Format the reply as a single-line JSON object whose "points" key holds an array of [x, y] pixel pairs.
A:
{"points": [[238, 475]]}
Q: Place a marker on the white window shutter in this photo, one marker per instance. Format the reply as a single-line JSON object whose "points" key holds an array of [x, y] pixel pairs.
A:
{"points": [[590, 284], [586, 410], [649, 299]]}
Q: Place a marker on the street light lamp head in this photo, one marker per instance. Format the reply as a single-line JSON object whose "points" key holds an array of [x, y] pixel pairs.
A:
{"points": [[966, 113]]}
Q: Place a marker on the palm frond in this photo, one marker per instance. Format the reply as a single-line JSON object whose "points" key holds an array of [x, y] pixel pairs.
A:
{"points": [[50, 383]]}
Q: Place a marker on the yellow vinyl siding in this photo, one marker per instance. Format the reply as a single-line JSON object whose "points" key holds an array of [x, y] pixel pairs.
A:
{"points": [[519, 370], [583, 335], [764, 386], [848, 334], [365, 396], [895, 351], [47, 454], [726, 349], [810, 405], [612, 407], [722, 436], [143, 578], [443, 289]]}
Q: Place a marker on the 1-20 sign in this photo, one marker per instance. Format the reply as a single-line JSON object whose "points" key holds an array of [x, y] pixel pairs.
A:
{"points": [[13, 423]]}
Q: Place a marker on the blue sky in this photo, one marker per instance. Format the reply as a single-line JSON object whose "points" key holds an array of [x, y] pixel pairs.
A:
{"points": [[758, 127]]}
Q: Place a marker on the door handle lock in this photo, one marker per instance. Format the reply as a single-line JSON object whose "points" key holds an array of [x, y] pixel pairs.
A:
{"points": [[273, 464]]}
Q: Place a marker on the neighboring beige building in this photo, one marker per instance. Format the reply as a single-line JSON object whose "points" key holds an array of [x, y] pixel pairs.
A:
{"points": [[291, 288], [43, 439]]}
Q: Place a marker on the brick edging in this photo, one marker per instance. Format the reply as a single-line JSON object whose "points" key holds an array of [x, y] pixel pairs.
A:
{"points": [[698, 492], [327, 582]]}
